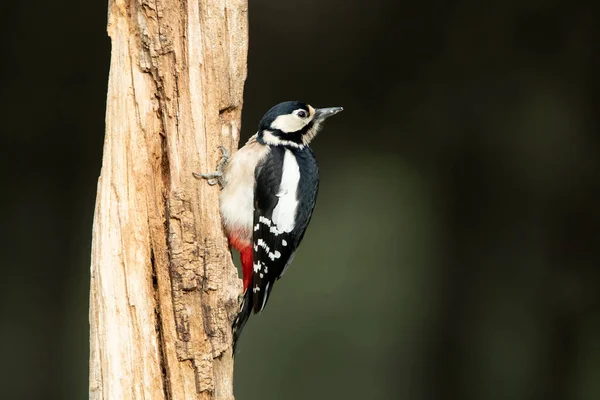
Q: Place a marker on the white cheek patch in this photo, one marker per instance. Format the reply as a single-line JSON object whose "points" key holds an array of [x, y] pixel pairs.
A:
{"points": [[289, 123], [284, 214]]}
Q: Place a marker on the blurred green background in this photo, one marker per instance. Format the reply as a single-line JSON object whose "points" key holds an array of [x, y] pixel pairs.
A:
{"points": [[453, 250]]}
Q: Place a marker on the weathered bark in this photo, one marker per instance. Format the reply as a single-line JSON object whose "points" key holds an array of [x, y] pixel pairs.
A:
{"points": [[163, 288]]}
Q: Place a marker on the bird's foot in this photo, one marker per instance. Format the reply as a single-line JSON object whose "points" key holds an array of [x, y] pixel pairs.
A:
{"points": [[215, 177], [212, 178]]}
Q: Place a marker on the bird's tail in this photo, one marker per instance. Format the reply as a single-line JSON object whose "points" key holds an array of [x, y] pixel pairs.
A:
{"points": [[242, 317]]}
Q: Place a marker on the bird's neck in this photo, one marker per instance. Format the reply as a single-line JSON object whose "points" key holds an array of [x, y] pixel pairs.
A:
{"points": [[278, 138], [299, 139]]}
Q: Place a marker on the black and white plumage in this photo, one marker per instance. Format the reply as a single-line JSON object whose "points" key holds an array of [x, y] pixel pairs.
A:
{"points": [[269, 192], [286, 191]]}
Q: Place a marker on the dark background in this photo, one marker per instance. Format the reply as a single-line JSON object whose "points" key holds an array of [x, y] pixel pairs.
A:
{"points": [[453, 251]]}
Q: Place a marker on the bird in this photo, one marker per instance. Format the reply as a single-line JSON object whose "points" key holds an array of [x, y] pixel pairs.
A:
{"points": [[268, 193]]}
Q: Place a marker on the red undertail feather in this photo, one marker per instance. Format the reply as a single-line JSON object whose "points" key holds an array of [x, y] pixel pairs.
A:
{"points": [[244, 246], [245, 249], [246, 258]]}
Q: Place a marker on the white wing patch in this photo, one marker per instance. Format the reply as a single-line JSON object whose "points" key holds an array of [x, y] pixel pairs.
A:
{"points": [[263, 244], [284, 214]]}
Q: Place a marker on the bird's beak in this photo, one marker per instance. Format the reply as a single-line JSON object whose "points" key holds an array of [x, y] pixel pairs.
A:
{"points": [[324, 113]]}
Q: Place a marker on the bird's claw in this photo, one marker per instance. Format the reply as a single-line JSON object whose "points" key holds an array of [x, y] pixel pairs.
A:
{"points": [[224, 159], [212, 178]]}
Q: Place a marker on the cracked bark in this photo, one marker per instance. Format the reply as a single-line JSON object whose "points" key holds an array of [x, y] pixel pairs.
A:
{"points": [[163, 288]]}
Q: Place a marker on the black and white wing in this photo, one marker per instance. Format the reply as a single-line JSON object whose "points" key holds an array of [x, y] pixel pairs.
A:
{"points": [[284, 198]]}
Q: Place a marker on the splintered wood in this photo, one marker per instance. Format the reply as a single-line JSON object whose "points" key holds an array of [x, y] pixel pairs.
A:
{"points": [[163, 288]]}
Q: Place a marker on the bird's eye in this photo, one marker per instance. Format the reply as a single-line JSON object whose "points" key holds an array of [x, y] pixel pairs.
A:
{"points": [[301, 114]]}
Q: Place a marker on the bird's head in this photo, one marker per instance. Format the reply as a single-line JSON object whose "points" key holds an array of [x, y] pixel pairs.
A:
{"points": [[293, 123]]}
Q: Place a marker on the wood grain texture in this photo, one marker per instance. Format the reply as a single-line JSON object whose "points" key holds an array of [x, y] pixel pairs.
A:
{"points": [[163, 288]]}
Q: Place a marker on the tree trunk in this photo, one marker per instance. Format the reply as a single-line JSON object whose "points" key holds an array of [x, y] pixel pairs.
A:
{"points": [[163, 288]]}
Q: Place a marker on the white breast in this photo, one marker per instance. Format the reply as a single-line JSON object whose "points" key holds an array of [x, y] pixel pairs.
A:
{"points": [[284, 214], [237, 197]]}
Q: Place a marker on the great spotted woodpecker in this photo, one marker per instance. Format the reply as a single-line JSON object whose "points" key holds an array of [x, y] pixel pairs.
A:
{"points": [[269, 192]]}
